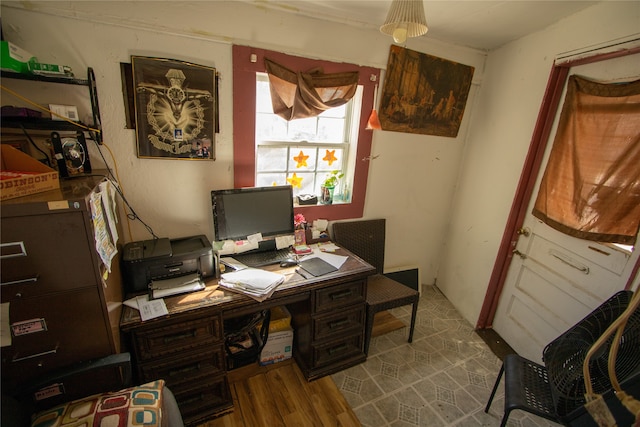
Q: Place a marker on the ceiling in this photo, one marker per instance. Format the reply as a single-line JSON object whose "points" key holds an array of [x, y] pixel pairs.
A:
{"points": [[479, 24]]}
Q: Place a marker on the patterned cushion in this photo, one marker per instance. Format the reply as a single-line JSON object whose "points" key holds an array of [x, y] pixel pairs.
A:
{"points": [[135, 406]]}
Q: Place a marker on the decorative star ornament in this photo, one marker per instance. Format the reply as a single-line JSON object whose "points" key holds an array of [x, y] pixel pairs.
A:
{"points": [[330, 157], [301, 160], [295, 181]]}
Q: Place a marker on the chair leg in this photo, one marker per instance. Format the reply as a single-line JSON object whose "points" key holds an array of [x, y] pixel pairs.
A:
{"points": [[505, 418], [414, 311], [493, 393]]}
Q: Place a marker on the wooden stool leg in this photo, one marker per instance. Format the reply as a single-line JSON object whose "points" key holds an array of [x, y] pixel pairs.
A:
{"points": [[369, 330], [414, 311]]}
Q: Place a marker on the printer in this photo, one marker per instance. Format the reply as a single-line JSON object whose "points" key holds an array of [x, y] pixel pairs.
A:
{"points": [[165, 261]]}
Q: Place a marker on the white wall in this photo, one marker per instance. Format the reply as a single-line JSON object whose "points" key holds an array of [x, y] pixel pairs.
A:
{"points": [[502, 125], [411, 182]]}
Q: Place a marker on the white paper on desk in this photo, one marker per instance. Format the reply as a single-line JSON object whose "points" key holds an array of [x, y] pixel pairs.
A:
{"points": [[150, 309], [189, 287], [253, 278], [174, 282], [333, 259]]}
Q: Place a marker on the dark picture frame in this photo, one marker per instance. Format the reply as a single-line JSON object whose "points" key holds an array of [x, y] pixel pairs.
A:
{"points": [[175, 108], [424, 94]]}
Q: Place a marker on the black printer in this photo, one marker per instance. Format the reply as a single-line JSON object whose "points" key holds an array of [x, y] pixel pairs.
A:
{"points": [[157, 259]]}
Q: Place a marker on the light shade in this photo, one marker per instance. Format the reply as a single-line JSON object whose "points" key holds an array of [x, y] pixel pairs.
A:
{"points": [[405, 19]]}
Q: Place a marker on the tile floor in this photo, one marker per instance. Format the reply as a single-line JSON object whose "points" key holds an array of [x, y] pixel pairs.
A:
{"points": [[444, 378]]}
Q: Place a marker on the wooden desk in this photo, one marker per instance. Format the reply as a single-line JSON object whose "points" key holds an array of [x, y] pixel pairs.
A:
{"points": [[186, 348]]}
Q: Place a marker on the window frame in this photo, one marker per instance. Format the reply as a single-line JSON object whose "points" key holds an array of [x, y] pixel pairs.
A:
{"points": [[245, 67]]}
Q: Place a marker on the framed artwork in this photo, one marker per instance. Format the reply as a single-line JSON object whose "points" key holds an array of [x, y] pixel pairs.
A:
{"points": [[175, 108], [423, 94]]}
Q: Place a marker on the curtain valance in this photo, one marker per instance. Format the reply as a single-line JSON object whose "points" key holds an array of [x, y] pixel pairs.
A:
{"points": [[297, 95]]}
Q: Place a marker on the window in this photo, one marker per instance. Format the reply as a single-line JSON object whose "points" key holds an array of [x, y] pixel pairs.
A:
{"points": [[248, 64], [304, 152]]}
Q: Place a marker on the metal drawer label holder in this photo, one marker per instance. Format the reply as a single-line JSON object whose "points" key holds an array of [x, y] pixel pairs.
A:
{"points": [[27, 327]]}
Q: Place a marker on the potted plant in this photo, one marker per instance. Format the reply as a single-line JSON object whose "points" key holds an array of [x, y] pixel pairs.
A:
{"points": [[329, 185]]}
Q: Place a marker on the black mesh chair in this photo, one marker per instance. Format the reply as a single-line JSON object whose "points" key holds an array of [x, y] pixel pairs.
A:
{"points": [[366, 239], [556, 391]]}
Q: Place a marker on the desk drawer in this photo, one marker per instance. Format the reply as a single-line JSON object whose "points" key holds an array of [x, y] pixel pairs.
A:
{"points": [[177, 337], [349, 319], [204, 399], [339, 296], [190, 367], [338, 350]]}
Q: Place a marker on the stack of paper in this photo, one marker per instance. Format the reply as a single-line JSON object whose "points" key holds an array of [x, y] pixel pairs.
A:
{"points": [[254, 282], [176, 285]]}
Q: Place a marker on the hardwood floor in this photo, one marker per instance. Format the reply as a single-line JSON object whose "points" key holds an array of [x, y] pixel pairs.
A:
{"points": [[279, 395]]}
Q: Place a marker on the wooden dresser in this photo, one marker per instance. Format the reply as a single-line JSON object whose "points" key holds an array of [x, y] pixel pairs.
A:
{"points": [[186, 348], [60, 310]]}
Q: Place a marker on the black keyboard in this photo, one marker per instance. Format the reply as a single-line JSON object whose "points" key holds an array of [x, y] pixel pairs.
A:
{"points": [[258, 259]]}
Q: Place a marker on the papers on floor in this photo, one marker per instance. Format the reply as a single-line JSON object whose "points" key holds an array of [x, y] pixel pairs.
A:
{"points": [[176, 285], [253, 282]]}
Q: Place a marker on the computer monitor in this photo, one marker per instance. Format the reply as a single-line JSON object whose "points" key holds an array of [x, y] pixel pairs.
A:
{"points": [[241, 212]]}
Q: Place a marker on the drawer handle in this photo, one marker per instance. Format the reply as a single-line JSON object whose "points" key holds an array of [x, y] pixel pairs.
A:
{"points": [[12, 250], [190, 368], [44, 353], [180, 336], [338, 349], [21, 281], [339, 323], [343, 294], [197, 398]]}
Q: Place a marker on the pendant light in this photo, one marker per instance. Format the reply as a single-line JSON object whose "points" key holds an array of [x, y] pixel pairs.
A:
{"points": [[405, 19]]}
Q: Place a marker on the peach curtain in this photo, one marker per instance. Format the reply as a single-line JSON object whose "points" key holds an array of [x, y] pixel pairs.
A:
{"points": [[591, 186]]}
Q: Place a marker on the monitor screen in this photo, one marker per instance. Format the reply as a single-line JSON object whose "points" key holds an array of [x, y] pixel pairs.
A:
{"points": [[241, 212]]}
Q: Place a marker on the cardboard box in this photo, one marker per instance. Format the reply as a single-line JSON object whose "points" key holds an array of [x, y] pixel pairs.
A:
{"points": [[14, 58], [278, 347], [23, 175], [280, 320]]}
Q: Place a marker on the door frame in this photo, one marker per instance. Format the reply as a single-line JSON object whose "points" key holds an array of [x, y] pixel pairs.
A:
{"points": [[531, 168]]}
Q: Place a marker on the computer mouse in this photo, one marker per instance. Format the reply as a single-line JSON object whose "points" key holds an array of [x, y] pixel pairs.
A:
{"points": [[288, 262]]}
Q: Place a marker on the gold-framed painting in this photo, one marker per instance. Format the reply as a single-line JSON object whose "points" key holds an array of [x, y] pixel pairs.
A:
{"points": [[175, 108], [423, 94]]}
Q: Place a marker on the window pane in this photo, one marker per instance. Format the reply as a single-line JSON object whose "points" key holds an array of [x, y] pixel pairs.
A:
{"points": [[270, 128], [271, 159], [302, 159], [331, 130], [306, 182], [330, 159], [303, 129], [268, 179], [263, 97], [340, 112]]}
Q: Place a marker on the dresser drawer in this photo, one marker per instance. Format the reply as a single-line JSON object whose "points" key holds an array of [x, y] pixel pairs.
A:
{"points": [[175, 337], [189, 367], [338, 350], [49, 332], [201, 400], [339, 296], [349, 319], [45, 253]]}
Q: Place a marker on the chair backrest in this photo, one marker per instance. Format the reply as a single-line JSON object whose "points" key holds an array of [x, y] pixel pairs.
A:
{"points": [[364, 238]]}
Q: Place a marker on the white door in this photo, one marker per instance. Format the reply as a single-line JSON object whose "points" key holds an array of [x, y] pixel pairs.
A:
{"points": [[555, 280]]}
